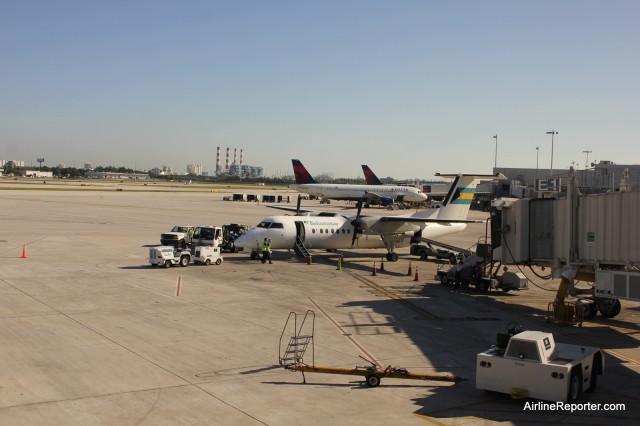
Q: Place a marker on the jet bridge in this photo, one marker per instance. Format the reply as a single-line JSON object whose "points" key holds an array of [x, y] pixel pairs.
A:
{"points": [[596, 236]]}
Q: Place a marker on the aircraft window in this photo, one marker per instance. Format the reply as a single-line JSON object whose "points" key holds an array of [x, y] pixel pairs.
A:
{"points": [[326, 231], [321, 230], [343, 230], [277, 225], [348, 231], [327, 214], [313, 231], [264, 225], [332, 231]]}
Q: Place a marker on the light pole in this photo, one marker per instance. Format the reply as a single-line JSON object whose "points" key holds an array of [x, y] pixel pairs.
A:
{"points": [[552, 132], [495, 161], [537, 156], [586, 164]]}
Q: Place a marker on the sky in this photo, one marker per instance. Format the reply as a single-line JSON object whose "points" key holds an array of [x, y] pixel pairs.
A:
{"points": [[409, 87]]}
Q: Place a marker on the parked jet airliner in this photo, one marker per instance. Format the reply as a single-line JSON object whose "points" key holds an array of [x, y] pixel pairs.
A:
{"points": [[372, 194], [336, 231]]}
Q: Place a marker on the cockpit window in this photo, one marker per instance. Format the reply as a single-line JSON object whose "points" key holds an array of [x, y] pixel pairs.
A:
{"points": [[270, 225]]}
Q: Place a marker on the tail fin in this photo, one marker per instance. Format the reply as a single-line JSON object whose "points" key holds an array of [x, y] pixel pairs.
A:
{"points": [[458, 200], [369, 176], [301, 173]]}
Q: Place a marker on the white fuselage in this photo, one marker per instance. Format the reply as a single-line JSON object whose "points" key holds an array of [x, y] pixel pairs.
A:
{"points": [[356, 192], [329, 232]]}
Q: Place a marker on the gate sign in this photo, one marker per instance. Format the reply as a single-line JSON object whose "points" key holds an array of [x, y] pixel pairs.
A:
{"points": [[548, 185]]}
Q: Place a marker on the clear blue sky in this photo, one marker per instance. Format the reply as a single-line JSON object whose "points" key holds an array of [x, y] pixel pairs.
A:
{"points": [[409, 87]]}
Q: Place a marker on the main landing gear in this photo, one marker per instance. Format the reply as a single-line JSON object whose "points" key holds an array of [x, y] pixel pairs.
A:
{"points": [[392, 256]]}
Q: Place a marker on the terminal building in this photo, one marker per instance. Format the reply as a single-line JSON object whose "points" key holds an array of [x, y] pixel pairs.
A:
{"points": [[605, 176]]}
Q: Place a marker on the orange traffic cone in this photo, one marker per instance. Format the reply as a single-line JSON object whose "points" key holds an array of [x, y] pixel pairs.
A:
{"points": [[409, 271], [24, 252], [415, 278], [382, 265], [373, 273]]}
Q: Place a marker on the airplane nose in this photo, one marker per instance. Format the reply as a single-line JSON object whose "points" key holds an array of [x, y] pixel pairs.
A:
{"points": [[245, 240]]}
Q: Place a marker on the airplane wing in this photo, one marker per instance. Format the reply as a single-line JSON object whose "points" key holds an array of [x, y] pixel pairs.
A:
{"points": [[396, 219], [292, 209], [389, 225]]}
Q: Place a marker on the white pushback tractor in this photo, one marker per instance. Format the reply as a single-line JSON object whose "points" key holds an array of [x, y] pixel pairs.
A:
{"points": [[530, 364]]}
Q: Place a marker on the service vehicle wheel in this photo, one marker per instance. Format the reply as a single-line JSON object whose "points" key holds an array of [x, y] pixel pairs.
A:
{"points": [[167, 264], [184, 261], [482, 286], [373, 380], [154, 265], [444, 280], [506, 289], [218, 261], [423, 255], [611, 309], [207, 262], [392, 257], [574, 384]]}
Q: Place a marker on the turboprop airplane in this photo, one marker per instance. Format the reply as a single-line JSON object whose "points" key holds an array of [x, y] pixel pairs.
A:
{"points": [[369, 194], [336, 231]]}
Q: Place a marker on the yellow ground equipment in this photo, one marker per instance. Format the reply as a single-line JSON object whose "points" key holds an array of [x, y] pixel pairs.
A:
{"points": [[291, 357]]}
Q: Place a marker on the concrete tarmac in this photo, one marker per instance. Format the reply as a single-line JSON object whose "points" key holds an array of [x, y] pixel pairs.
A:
{"points": [[91, 335]]}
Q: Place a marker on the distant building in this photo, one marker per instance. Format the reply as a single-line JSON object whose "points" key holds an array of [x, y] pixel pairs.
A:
{"points": [[246, 171], [604, 176], [12, 163], [109, 175], [88, 166], [194, 169], [38, 174]]}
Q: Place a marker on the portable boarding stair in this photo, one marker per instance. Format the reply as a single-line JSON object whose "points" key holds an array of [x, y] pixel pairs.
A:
{"points": [[292, 350], [301, 329]]}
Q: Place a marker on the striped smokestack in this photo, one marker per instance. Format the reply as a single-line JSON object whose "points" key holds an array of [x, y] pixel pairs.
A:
{"points": [[218, 160], [226, 166]]}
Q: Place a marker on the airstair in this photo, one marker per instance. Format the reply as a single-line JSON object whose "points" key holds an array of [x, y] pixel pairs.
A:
{"points": [[300, 249]]}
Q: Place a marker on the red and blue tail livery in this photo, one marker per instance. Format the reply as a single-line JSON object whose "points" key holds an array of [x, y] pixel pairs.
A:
{"points": [[369, 176], [301, 173]]}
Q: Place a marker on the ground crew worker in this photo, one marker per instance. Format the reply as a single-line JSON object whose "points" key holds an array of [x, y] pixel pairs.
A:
{"points": [[266, 250], [458, 276]]}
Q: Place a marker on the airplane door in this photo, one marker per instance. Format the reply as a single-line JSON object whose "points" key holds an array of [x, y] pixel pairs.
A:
{"points": [[300, 230]]}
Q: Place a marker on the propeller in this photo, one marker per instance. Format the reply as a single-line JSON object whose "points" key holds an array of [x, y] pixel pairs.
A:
{"points": [[298, 205], [357, 223]]}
